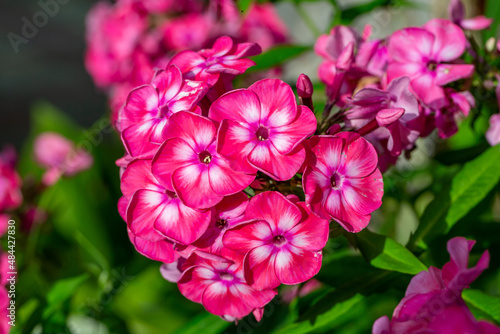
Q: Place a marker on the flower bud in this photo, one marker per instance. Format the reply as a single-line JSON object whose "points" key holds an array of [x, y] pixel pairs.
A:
{"points": [[304, 86]]}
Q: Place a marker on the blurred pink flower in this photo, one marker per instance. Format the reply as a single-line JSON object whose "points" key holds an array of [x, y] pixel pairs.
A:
{"points": [[59, 156], [433, 302], [10, 182], [456, 13]]}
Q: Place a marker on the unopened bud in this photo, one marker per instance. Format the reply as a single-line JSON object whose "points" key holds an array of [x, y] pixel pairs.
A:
{"points": [[490, 44], [304, 86]]}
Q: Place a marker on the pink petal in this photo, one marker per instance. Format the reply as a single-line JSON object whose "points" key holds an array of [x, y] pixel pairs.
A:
{"points": [[241, 105], [162, 250], [493, 133], [348, 219], [327, 153], [186, 61], [449, 40], [190, 94], [411, 70], [278, 106], [122, 208], [295, 265], [267, 159], [226, 181], [245, 237], [180, 223], [388, 116], [259, 268], [138, 176], [310, 234], [136, 139], [168, 83], [220, 298], [317, 187], [141, 105], [144, 208], [286, 138], [364, 195], [427, 89], [410, 45], [171, 271], [194, 281], [198, 131], [446, 73], [274, 208], [382, 325], [172, 155], [192, 185], [236, 142], [360, 158], [476, 23]]}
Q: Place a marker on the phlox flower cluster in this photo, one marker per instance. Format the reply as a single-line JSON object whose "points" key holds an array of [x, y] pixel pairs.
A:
{"points": [[234, 190], [126, 40], [208, 175]]}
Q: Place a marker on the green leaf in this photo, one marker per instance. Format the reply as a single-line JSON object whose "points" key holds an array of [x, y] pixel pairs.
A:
{"points": [[243, 5], [325, 321], [486, 303], [277, 56], [62, 291], [385, 253], [471, 184], [205, 323]]}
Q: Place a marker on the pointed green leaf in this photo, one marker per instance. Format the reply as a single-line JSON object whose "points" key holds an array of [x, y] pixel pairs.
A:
{"points": [[385, 253], [277, 56], [486, 303], [61, 292]]}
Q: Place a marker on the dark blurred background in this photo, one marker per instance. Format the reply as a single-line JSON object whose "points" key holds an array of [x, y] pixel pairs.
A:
{"points": [[49, 66]]}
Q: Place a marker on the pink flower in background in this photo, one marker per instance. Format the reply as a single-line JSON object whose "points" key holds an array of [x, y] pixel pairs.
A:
{"points": [[155, 213], [261, 128], [433, 302], [456, 13], [224, 57], [189, 163], [113, 32], [493, 133], [188, 32], [10, 183], [4, 312], [341, 180], [459, 104], [59, 156], [428, 57], [263, 25], [148, 108], [391, 110], [219, 285], [282, 241]]}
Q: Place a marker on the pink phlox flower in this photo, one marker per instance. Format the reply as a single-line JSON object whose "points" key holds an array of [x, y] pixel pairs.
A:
{"points": [[219, 284], [282, 241], [262, 128], [341, 181], [418, 312], [155, 213], [428, 56], [189, 164], [224, 57], [148, 108]]}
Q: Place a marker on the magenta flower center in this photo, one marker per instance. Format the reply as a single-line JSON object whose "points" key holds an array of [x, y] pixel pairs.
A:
{"points": [[226, 276], [162, 111], [431, 66], [336, 180], [262, 133], [279, 240], [205, 157], [221, 224]]}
